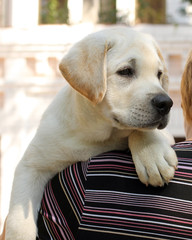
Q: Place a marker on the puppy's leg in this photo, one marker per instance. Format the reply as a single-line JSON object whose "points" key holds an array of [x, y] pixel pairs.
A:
{"points": [[155, 160], [25, 200]]}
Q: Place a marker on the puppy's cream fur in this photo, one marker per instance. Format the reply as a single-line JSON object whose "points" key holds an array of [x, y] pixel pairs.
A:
{"points": [[97, 113]]}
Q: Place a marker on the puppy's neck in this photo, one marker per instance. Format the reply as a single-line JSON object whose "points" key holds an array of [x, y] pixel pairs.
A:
{"points": [[77, 115]]}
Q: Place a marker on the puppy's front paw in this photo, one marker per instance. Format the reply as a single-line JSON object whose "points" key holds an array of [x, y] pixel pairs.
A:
{"points": [[155, 160], [19, 227]]}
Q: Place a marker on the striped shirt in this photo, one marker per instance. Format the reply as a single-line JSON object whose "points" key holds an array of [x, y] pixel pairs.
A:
{"points": [[103, 199]]}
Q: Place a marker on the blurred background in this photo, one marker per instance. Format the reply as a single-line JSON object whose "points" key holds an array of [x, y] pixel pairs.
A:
{"points": [[35, 34]]}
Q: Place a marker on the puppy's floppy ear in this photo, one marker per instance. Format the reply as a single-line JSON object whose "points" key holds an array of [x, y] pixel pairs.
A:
{"points": [[186, 89], [84, 68], [165, 80]]}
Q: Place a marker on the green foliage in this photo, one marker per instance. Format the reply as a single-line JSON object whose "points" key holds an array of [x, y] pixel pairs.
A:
{"points": [[190, 1], [107, 17], [54, 11], [107, 11], [150, 11], [183, 9]]}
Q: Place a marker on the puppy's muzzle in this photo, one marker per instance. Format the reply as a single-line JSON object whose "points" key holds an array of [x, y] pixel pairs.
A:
{"points": [[162, 103]]}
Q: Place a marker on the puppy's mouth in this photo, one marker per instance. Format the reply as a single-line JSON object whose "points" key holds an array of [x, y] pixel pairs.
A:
{"points": [[159, 124], [162, 125]]}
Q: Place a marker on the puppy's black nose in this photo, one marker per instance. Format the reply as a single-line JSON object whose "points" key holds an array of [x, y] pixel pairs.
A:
{"points": [[162, 103]]}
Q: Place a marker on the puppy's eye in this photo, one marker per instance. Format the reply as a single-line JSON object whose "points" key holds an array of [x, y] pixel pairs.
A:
{"points": [[127, 72], [159, 74]]}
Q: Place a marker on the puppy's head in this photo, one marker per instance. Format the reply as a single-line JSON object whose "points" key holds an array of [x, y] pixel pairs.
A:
{"points": [[123, 72]]}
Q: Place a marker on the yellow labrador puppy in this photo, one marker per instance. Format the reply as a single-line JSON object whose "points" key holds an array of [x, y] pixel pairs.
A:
{"points": [[117, 91]]}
